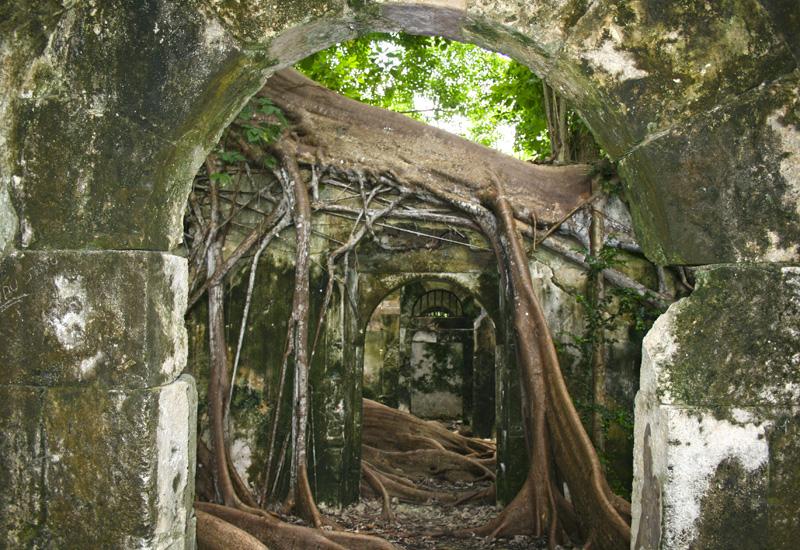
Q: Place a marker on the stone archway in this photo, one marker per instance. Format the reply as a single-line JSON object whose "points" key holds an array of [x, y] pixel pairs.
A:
{"points": [[374, 287], [108, 110]]}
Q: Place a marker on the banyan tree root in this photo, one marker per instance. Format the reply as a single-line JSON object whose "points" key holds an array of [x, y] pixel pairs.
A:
{"points": [[276, 534], [560, 450], [239, 519], [214, 533], [422, 464], [400, 451], [390, 429], [556, 437]]}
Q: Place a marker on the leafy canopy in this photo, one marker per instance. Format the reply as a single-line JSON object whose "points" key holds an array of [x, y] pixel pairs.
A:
{"points": [[460, 87]]}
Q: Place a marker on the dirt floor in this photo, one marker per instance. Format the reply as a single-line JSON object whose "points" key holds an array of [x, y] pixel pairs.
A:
{"points": [[417, 523]]}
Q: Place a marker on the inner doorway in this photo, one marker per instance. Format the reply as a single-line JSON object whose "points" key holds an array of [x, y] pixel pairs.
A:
{"points": [[430, 350]]}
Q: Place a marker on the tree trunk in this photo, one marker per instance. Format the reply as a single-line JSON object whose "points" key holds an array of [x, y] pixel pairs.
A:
{"points": [[218, 352], [602, 524], [336, 131]]}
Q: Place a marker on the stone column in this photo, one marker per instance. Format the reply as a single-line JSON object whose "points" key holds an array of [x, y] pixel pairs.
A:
{"points": [[512, 451], [483, 377], [717, 437], [97, 423]]}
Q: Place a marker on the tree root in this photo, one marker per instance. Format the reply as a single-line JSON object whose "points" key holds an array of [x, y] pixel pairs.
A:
{"points": [[278, 535], [390, 429], [214, 533], [372, 478], [426, 463], [406, 451], [557, 443]]}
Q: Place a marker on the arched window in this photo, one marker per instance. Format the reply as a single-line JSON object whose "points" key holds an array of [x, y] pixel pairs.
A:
{"points": [[437, 303]]}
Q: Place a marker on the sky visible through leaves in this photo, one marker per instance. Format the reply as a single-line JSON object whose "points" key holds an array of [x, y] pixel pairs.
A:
{"points": [[477, 94]]}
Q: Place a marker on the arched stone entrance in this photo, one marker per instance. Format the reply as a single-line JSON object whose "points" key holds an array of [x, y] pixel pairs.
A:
{"points": [[107, 112]]}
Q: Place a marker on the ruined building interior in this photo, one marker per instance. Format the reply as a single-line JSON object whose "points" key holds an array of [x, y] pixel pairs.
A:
{"points": [[241, 310]]}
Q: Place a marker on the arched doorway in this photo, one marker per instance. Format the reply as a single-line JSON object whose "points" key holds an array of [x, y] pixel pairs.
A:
{"points": [[129, 195], [429, 354]]}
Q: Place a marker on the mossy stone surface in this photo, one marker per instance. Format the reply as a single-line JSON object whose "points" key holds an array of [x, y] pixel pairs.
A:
{"points": [[720, 388], [22, 463], [107, 470], [87, 467], [253, 22], [8, 221], [733, 514], [724, 189], [111, 117], [544, 24], [636, 67], [736, 343], [786, 20], [783, 491], [106, 319]]}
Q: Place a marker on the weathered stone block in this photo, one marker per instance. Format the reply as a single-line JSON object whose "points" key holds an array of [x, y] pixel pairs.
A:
{"points": [[110, 319], [786, 20], [635, 67], [717, 414], [253, 21], [22, 495], [726, 188], [8, 220], [111, 115], [89, 172], [538, 23], [120, 466]]}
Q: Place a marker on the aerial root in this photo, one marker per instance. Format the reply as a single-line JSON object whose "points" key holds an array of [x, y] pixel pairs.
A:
{"points": [[374, 482]]}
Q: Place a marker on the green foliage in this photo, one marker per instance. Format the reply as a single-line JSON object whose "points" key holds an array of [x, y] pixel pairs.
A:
{"points": [[223, 179], [444, 375], [460, 83], [261, 121], [619, 307]]}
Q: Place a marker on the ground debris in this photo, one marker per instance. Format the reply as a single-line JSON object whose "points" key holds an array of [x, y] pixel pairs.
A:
{"points": [[417, 523]]}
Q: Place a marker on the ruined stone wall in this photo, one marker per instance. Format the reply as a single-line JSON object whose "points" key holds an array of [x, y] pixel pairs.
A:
{"points": [[716, 437], [108, 108]]}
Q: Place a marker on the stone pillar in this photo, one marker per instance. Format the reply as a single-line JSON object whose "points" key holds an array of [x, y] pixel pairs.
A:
{"points": [[512, 451], [483, 377], [717, 443], [334, 374], [98, 425]]}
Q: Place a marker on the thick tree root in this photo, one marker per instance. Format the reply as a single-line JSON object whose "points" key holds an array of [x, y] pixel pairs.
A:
{"points": [[390, 429], [278, 535], [373, 480], [426, 463], [560, 451], [214, 533], [556, 435], [400, 452]]}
